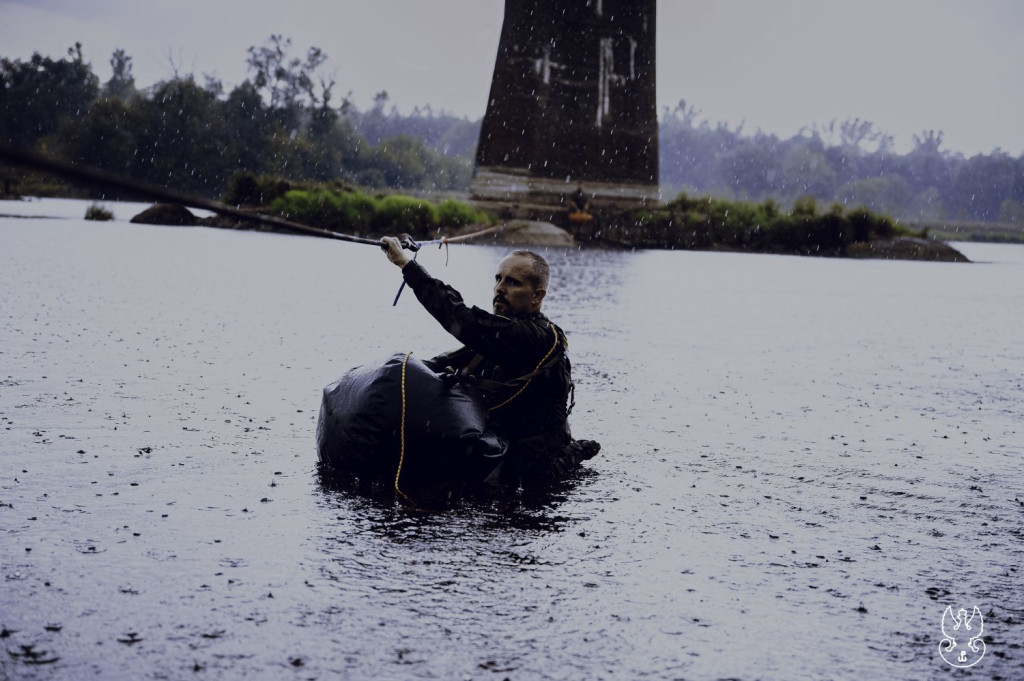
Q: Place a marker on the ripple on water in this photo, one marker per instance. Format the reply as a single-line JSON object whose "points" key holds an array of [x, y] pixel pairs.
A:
{"points": [[803, 463]]}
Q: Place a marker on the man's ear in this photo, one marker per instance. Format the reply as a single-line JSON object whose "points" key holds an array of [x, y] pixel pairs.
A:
{"points": [[538, 295]]}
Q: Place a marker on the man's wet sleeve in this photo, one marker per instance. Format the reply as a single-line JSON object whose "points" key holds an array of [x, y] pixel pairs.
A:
{"points": [[414, 274], [498, 338], [439, 299]]}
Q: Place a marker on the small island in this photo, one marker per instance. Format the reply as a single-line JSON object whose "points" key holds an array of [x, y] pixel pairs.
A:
{"points": [[681, 224]]}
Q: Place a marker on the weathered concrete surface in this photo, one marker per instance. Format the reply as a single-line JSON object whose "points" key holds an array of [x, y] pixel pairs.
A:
{"points": [[572, 107]]}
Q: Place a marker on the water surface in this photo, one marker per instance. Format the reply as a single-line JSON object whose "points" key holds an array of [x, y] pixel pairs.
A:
{"points": [[804, 462]]}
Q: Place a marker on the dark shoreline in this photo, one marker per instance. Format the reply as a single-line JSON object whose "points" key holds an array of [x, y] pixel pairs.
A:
{"points": [[895, 248]]}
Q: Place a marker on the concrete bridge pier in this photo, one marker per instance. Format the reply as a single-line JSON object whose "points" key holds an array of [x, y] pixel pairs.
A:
{"points": [[571, 120]]}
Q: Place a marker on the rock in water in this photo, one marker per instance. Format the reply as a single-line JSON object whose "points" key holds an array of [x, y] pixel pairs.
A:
{"points": [[906, 248], [533, 233], [166, 214]]}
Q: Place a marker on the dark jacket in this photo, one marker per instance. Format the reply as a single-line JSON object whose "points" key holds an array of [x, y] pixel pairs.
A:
{"points": [[531, 415]]}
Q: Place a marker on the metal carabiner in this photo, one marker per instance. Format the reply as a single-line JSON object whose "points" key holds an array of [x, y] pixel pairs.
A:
{"points": [[408, 243]]}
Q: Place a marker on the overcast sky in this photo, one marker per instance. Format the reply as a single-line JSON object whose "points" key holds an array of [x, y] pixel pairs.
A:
{"points": [[777, 65]]}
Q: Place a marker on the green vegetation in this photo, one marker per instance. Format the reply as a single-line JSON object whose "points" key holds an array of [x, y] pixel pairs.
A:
{"points": [[282, 128], [458, 214], [195, 137], [247, 189], [353, 212], [948, 230], [98, 212], [710, 223], [851, 163]]}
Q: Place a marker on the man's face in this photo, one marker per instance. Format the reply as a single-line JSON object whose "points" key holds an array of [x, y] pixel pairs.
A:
{"points": [[514, 296]]}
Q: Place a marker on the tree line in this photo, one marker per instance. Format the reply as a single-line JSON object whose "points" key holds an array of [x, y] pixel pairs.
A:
{"points": [[282, 121], [849, 162], [285, 120]]}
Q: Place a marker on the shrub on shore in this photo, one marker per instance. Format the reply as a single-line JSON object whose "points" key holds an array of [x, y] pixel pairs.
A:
{"points": [[352, 212], [347, 212], [396, 214], [705, 223], [451, 213], [248, 189], [98, 212]]}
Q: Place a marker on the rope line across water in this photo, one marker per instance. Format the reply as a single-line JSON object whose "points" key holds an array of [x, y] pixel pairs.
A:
{"points": [[102, 178]]}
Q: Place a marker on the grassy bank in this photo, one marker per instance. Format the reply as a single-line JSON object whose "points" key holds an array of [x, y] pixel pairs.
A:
{"points": [[996, 232], [342, 208], [716, 224], [686, 223]]}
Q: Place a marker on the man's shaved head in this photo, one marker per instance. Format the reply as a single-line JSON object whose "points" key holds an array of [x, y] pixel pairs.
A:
{"points": [[541, 272]]}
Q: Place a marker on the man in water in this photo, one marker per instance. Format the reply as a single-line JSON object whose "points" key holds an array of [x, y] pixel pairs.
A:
{"points": [[518, 358]]}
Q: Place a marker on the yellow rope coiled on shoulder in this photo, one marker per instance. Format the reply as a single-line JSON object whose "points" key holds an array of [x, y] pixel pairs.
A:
{"points": [[535, 370]]}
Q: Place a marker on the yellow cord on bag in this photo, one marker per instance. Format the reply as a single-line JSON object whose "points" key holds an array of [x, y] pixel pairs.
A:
{"points": [[401, 454], [535, 369]]}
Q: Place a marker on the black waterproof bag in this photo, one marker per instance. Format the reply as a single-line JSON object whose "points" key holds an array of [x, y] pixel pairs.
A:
{"points": [[447, 436]]}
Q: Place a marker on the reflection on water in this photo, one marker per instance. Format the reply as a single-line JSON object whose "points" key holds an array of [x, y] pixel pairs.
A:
{"points": [[804, 462]]}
